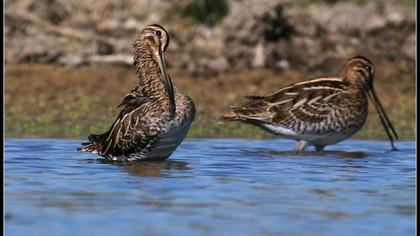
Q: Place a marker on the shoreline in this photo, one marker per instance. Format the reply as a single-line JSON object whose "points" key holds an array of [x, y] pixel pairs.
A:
{"points": [[54, 101]]}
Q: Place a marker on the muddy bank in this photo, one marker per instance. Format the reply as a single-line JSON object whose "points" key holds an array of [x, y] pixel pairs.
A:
{"points": [[51, 101]]}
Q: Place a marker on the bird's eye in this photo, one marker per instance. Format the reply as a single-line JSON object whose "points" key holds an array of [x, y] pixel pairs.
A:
{"points": [[158, 33]]}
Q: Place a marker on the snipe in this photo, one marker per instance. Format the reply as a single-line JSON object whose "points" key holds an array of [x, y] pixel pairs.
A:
{"points": [[155, 116], [320, 111]]}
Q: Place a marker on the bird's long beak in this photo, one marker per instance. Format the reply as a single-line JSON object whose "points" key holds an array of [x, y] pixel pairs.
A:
{"points": [[166, 80], [386, 123]]}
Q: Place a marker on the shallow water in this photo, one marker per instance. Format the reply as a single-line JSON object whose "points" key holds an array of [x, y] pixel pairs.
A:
{"points": [[211, 187]]}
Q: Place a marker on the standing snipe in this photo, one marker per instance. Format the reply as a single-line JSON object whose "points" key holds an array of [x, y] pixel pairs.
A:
{"points": [[319, 112], [155, 115]]}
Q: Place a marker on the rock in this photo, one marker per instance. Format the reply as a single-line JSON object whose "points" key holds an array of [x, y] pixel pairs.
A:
{"points": [[259, 55], [275, 34], [409, 46], [104, 48], [218, 65], [72, 60]]}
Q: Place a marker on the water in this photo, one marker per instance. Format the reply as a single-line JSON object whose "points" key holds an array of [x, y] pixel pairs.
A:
{"points": [[211, 187]]}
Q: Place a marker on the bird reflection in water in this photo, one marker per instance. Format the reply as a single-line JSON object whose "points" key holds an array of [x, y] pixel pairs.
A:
{"points": [[150, 168], [339, 154]]}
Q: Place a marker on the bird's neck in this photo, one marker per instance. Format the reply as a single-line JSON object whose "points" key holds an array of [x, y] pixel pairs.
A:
{"points": [[354, 81], [151, 80]]}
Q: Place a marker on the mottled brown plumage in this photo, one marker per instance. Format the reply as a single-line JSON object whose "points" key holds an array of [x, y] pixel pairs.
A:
{"points": [[155, 116], [319, 111]]}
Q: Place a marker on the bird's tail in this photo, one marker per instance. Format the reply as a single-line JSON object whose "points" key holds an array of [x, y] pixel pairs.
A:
{"points": [[93, 145], [230, 116], [250, 109], [243, 114], [88, 147]]}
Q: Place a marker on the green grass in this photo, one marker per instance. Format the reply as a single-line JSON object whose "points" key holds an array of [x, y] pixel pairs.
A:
{"points": [[208, 12], [48, 101], [45, 126], [407, 3]]}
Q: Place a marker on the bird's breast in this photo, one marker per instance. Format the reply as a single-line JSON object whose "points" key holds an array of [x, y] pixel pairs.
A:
{"points": [[172, 135]]}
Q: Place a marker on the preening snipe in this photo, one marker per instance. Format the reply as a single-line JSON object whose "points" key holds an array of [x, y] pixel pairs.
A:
{"points": [[155, 116]]}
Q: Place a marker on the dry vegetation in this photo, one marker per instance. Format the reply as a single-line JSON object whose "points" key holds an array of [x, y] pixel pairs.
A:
{"points": [[50, 101]]}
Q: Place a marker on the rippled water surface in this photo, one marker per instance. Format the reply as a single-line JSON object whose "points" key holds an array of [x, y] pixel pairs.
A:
{"points": [[211, 187]]}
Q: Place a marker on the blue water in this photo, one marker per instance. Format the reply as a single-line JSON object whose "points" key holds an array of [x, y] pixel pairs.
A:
{"points": [[211, 187]]}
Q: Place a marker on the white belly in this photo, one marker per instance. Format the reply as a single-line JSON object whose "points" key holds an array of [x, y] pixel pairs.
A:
{"points": [[321, 140]]}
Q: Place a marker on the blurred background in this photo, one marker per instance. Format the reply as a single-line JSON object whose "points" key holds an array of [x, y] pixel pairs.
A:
{"points": [[68, 63]]}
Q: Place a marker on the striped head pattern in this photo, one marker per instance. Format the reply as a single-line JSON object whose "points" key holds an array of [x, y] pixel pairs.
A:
{"points": [[155, 37], [361, 70]]}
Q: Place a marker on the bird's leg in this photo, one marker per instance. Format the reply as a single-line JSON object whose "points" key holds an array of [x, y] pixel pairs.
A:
{"points": [[301, 145], [319, 148]]}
